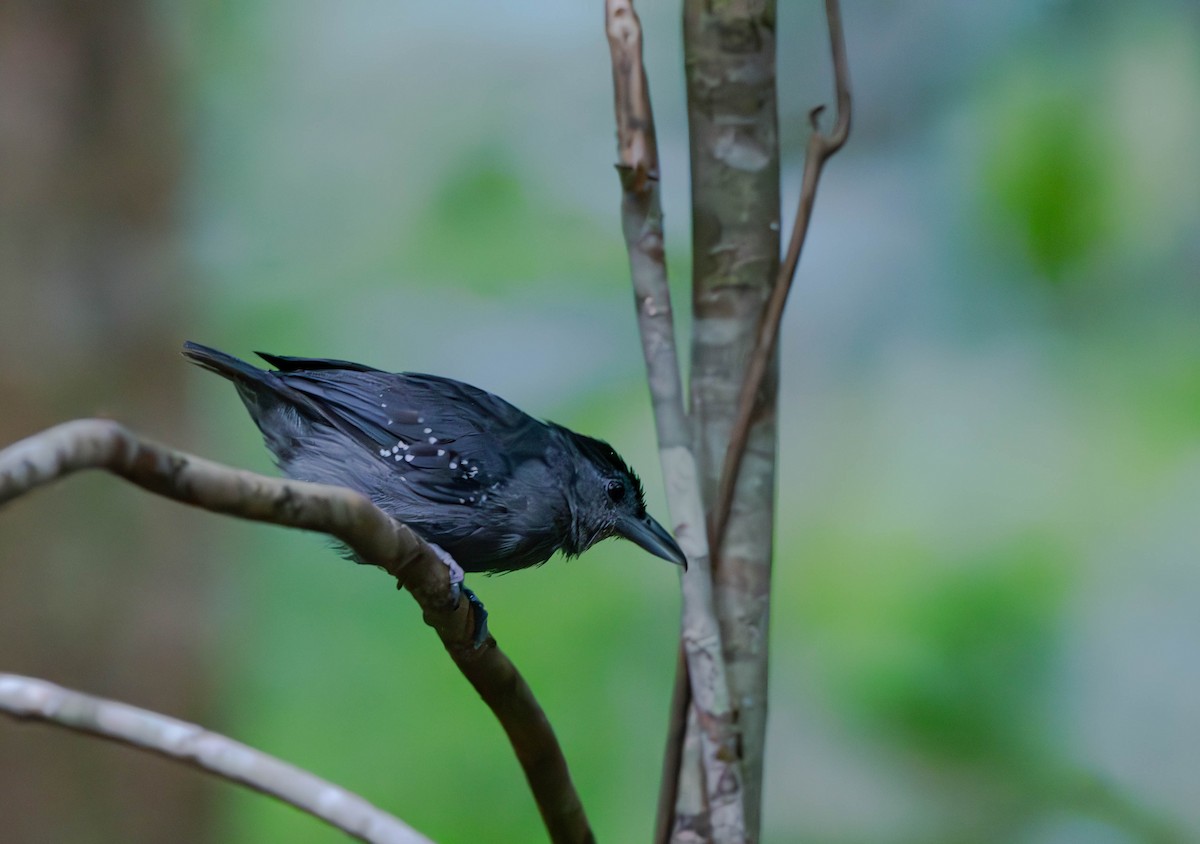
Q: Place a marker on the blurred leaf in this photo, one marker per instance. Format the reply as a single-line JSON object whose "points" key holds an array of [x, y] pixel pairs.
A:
{"points": [[487, 229], [955, 661], [1045, 171]]}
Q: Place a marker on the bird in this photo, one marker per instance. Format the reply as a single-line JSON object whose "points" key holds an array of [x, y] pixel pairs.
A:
{"points": [[491, 487]]}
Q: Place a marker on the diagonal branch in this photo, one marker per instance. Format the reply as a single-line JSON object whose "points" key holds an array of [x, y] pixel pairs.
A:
{"points": [[820, 148], [641, 217], [28, 698], [349, 517]]}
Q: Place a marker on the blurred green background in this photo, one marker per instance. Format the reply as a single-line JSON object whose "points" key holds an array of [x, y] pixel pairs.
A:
{"points": [[985, 623]]}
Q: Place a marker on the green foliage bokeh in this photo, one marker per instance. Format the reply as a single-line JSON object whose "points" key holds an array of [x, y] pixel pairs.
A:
{"points": [[989, 407]]}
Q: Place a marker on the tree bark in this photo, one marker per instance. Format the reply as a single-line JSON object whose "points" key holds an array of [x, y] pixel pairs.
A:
{"points": [[729, 52], [91, 302]]}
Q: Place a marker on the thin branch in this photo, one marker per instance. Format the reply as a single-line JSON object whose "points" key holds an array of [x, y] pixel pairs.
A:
{"points": [[641, 217], [31, 699], [820, 148], [668, 787], [351, 518]]}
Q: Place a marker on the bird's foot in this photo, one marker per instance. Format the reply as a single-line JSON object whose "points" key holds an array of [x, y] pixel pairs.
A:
{"points": [[480, 614], [459, 590], [456, 571]]}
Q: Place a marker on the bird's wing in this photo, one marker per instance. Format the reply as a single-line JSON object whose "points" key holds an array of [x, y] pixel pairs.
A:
{"points": [[449, 441]]}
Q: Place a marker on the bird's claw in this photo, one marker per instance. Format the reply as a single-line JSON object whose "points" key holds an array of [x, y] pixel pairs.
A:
{"points": [[459, 590], [478, 612]]}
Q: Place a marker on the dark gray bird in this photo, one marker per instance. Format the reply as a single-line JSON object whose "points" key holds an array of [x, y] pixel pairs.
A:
{"points": [[493, 487]]}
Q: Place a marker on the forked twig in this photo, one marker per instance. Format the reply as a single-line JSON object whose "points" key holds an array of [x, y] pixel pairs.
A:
{"points": [[351, 518]]}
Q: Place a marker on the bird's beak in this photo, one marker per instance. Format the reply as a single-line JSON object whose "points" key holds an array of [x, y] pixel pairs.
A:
{"points": [[653, 537]]}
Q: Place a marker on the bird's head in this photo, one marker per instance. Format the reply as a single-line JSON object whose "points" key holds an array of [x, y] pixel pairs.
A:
{"points": [[607, 500]]}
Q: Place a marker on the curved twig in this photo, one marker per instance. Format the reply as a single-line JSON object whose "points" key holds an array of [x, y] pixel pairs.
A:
{"points": [[351, 518], [820, 148], [28, 698], [641, 217]]}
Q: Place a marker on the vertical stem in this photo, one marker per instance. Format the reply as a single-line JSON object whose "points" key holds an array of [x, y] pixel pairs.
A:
{"points": [[730, 63], [668, 789], [719, 806]]}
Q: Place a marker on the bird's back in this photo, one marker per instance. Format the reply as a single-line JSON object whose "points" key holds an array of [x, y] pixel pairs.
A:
{"points": [[462, 467]]}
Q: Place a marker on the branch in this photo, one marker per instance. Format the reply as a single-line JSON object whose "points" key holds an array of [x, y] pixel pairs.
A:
{"points": [[733, 137], [27, 698], [820, 148], [641, 217], [673, 756], [741, 587], [349, 517]]}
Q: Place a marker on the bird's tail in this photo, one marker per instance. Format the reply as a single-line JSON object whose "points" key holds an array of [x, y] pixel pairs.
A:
{"points": [[227, 366], [260, 390], [272, 405]]}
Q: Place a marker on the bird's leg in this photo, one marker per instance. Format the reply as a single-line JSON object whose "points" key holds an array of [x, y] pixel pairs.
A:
{"points": [[456, 571], [458, 590]]}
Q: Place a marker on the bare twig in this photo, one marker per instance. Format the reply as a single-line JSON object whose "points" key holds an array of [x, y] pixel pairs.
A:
{"points": [[691, 822], [351, 518], [641, 216], [668, 787], [28, 698], [820, 148]]}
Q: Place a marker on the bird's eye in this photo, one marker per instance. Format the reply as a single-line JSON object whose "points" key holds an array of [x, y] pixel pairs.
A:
{"points": [[616, 492]]}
